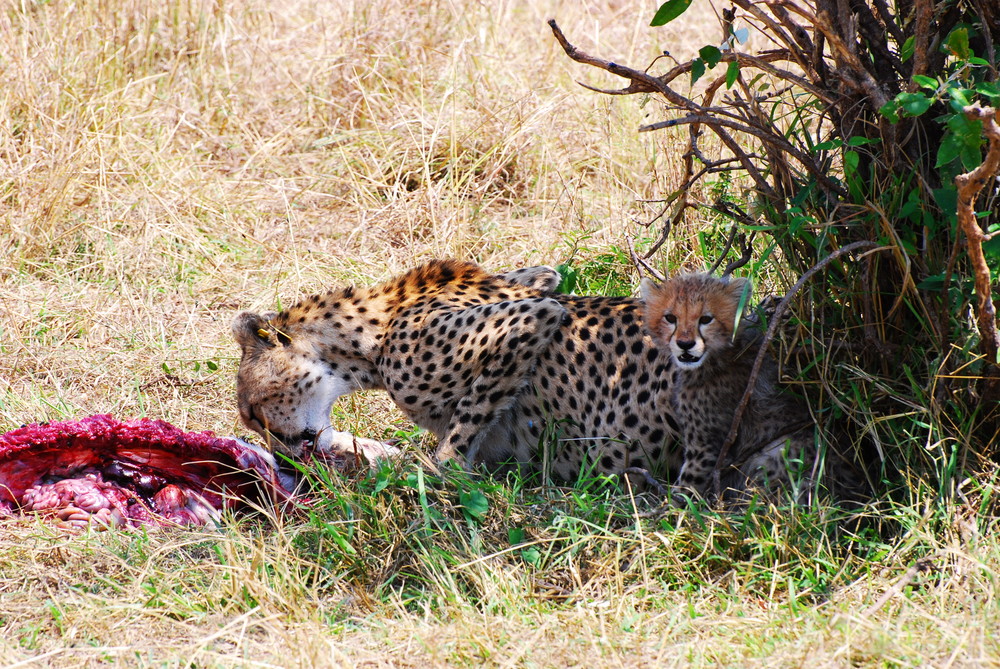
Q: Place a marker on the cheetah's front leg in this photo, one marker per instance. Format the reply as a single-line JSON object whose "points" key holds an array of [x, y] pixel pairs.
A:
{"points": [[503, 344]]}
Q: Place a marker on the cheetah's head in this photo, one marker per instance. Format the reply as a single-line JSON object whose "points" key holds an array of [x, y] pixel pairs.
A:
{"points": [[283, 388], [693, 315]]}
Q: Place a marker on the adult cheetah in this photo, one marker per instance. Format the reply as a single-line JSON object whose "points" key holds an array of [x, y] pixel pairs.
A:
{"points": [[496, 366]]}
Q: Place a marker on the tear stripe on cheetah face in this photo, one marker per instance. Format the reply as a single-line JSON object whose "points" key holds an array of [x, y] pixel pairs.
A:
{"points": [[310, 427], [483, 363], [694, 316]]}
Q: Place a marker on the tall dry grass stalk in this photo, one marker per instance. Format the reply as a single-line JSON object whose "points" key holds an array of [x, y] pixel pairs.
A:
{"points": [[166, 164]]}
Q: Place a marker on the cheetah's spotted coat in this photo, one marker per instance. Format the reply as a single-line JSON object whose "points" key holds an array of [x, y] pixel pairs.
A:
{"points": [[494, 365]]}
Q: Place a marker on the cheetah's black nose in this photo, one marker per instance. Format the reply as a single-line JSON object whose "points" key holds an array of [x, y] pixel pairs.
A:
{"points": [[685, 345]]}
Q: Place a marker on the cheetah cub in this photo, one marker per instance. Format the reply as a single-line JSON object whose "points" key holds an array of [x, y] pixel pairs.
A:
{"points": [[695, 320]]}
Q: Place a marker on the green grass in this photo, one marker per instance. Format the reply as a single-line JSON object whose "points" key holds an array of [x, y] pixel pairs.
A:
{"points": [[170, 165]]}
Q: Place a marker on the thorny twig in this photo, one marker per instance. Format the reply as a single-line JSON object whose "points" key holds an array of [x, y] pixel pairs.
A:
{"points": [[772, 328], [746, 253], [734, 230], [739, 217], [642, 82], [641, 263]]}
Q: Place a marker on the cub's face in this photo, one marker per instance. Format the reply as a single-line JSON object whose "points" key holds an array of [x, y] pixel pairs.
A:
{"points": [[693, 315], [284, 394]]}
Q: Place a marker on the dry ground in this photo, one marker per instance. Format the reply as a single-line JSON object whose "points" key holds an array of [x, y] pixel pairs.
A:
{"points": [[166, 164]]}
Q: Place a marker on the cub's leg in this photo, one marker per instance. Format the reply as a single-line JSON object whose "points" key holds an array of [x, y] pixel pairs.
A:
{"points": [[762, 454], [705, 424], [497, 347]]}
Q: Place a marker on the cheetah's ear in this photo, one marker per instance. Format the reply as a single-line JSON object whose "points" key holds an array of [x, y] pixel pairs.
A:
{"points": [[249, 331], [738, 287], [647, 289]]}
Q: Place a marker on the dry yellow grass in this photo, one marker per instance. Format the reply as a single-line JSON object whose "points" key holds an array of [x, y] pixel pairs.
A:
{"points": [[167, 164], [164, 165]]}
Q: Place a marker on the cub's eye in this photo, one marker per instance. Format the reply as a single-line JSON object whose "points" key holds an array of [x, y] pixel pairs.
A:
{"points": [[706, 319], [670, 318]]}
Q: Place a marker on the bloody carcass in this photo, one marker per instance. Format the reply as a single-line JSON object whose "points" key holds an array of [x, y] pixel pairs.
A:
{"points": [[104, 472]]}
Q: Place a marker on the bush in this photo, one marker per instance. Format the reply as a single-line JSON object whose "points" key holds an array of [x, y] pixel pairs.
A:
{"points": [[850, 133]]}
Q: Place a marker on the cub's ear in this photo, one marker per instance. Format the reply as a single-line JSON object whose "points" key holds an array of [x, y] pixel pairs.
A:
{"points": [[647, 289], [249, 331], [737, 285]]}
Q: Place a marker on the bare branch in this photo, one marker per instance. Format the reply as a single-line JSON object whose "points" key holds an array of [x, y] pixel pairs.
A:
{"points": [[631, 89], [640, 263], [734, 230], [746, 253], [925, 12], [762, 62], [644, 83], [751, 7], [843, 51], [671, 224], [739, 217], [773, 139], [969, 185], [886, 19]]}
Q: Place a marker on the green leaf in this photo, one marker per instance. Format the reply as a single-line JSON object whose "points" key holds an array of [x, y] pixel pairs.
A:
{"points": [[971, 157], [862, 141], [697, 69], [911, 207], [834, 143], [929, 83], [532, 556], [516, 535], [967, 129], [711, 55], [935, 282], [947, 200], [913, 104], [959, 99], [212, 365], [990, 90], [851, 160], [669, 11], [569, 278], [475, 503], [906, 51], [963, 139], [889, 110], [381, 481], [991, 247], [732, 72], [958, 43]]}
